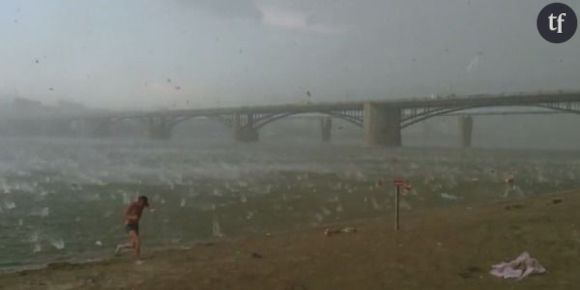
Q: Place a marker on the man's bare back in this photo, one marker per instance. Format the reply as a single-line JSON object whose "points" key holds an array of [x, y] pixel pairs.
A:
{"points": [[132, 217], [133, 213]]}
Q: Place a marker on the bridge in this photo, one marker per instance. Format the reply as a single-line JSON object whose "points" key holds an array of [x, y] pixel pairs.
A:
{"points": [[382, 120]]}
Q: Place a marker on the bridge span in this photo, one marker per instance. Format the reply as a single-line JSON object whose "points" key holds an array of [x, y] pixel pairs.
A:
{"points": [[381, 120]]}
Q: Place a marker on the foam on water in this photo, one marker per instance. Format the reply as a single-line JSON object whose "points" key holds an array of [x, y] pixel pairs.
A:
{"points": [[59, 198]]}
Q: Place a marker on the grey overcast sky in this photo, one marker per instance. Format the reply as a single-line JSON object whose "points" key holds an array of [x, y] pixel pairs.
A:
{"points": [[185, 53]]}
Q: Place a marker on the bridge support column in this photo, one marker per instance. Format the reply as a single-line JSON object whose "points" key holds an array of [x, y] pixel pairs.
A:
{"points": [[465, 131], [326, 129], [244, 130], [159, 128], [382, 125]]}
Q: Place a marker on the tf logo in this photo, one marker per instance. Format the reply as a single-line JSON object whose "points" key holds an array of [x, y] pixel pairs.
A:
{"points": [[557, 23]]}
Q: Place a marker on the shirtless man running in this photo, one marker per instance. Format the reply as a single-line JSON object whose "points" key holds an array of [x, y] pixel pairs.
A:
{"points": [[132, 217]]}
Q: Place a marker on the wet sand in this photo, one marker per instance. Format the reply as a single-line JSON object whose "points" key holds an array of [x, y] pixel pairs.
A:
{"points": [[444, 248]]}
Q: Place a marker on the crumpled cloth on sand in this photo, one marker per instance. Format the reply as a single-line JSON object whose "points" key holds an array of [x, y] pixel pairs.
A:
{"points": [[521, 267]]}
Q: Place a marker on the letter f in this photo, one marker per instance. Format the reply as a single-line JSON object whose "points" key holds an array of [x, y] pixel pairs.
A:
{"points": [[560, 20]]}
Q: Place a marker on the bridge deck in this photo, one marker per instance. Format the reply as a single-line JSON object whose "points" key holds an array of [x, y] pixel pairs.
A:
{"points": [[471, 101]]}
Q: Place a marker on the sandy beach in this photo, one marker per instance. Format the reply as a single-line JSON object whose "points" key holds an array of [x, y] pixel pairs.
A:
{"points": [[444, 248]]}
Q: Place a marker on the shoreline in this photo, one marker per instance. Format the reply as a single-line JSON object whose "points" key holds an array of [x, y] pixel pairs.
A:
{"points": [[442, 248]]}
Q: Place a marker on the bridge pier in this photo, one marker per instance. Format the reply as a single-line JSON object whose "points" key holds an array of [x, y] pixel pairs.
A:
{"points": [[465, 131], [326, 129], [244, 130], [382, 125], [159, 128]]}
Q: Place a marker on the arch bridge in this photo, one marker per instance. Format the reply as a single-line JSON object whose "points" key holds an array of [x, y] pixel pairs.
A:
{"points": [[382, 121]]}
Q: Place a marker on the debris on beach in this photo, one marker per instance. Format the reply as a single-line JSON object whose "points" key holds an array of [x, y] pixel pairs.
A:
{"points": [[513, 206], [348, 230], [519, 268]]}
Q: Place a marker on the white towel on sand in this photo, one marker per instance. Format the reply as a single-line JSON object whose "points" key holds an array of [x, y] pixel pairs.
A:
{"points": [[521, 267]]}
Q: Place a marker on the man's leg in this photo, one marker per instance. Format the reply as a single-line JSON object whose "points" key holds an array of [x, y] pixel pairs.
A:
{"points": [[130, 244], [125, 246], [135, 243]]}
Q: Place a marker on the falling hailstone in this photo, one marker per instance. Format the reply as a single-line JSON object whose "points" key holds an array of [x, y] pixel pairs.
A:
{"points": [[472, 64], [183, 202], [447, 196], [126, 198], [99, 243], [376, 205], [5, 188], [9, 205], [216, 229], [57, 244]]}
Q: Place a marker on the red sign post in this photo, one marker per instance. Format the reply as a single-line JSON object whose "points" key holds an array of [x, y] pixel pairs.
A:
{"points": [[399, 182]]}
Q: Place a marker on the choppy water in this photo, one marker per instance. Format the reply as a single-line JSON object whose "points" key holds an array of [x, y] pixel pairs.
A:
{"points": [[63, 199]]}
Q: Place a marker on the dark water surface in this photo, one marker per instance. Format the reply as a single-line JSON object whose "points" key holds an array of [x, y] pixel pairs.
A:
{"points": [[63, 199]]}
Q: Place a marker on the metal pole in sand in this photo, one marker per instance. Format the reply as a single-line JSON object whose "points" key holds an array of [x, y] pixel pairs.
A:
{"points": [[397, 192]]}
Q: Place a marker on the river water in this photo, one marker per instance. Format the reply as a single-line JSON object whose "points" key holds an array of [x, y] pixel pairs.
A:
{"points": [[63, 199]]}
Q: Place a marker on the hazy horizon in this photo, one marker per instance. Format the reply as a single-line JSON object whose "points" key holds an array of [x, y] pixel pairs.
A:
{"points": [[178, 53]]}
